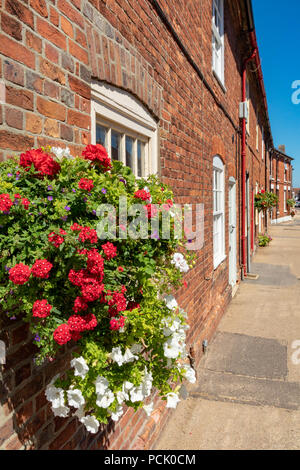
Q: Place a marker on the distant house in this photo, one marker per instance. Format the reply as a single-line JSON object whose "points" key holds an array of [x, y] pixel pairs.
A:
{"points": [[281, 183]]}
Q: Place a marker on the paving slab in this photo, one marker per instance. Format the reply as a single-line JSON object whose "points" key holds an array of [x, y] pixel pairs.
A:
{"points": [[248, 390], [247, 355]]}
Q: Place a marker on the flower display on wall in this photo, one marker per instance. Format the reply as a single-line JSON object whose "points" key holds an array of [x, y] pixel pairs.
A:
{"points": [[109, 297]]}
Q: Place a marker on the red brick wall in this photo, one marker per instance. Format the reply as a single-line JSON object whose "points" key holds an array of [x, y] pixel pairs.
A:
{"points": [[49, 51], [282, 181]]}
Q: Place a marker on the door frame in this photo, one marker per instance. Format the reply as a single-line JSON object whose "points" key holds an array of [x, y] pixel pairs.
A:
{"points": [[232, 258]]}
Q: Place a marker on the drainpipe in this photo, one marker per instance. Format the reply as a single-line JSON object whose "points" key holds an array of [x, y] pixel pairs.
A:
{"points": [[244, 257]]}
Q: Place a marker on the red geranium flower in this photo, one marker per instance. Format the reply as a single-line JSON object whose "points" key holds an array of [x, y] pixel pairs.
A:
{"points": [[90, 321], [25, 202], [56, 239], [142, 194], [76, 323], [5, 202], [62, 334], [92, 291], [110, 250], [80, 305], [86, 184], [76, 227], [88, 234], [41, 308], [97, 154], [19, 274], [117, 323], [41, 161], [41, 268]]}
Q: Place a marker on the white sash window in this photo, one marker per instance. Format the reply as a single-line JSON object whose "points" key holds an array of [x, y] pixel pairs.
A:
{"points": [[218, 211], [218, 39], [125, 128]]}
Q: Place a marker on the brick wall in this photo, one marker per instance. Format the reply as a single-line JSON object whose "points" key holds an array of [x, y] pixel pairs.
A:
{"points": [[281, 182], [49, 53]]}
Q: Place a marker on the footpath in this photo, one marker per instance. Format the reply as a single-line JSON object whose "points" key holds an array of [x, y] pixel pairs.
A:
{"points": [[247, 394]]}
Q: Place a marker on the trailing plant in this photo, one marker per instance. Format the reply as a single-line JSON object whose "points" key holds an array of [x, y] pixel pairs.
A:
{"points": [[291, 202], [264, 240], [265, 200], [74, 287]]}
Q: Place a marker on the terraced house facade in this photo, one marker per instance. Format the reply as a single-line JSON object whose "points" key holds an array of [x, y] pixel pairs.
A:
{"points": [[168, 87]]}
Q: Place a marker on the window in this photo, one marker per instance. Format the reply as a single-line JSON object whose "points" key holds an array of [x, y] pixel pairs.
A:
{"points": [[285, 172], [262, 144], [218, 39], [257, 134], [284, 200], [248, 104], [218, 211], [125, 128]]}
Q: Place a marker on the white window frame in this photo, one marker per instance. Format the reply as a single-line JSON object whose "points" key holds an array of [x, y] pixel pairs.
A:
{"points": [[271, 167], [257, 133], [218, 39], [248, 104], [218, 212], [284, 200], [285, 172], [118, 110]]}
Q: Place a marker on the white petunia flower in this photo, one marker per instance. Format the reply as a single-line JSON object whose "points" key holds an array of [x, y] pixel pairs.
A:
{"points": [[128, 356], [183, 267], [147, 383], [177, 258], [116, 415], [79, 413], [61, 153], [148, 408], [61, 411], [75, 398], [190, 374], [171, 348], [136, 394], [55, 396], [172, 400], [101, 385], [117, 356], [122, 396], [105, 400], [136, 348], [171, 325], [171, 302], [127, 386], [180, 262], [80, 366], [91, 423]]}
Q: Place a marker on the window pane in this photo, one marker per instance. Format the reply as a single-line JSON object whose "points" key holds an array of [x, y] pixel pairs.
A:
{"points": [[140, 157], [115, 145], [129, 152], [101, 135]]}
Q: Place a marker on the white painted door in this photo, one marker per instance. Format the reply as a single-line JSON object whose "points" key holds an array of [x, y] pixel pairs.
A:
{"points": [[232, 233]]}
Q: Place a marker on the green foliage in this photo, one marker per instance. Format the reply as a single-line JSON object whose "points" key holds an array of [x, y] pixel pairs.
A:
{"points": [[264, 240], [291, 202], [265, 200]]}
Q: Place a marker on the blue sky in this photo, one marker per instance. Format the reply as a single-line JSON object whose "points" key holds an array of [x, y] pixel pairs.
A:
{"points": [[277, 31]]}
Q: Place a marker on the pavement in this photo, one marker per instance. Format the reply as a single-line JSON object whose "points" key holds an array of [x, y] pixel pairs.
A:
{"points": [[247, 394]]}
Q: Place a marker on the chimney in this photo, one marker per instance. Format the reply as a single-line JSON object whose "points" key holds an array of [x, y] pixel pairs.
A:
{"points": [[281, 148]]}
